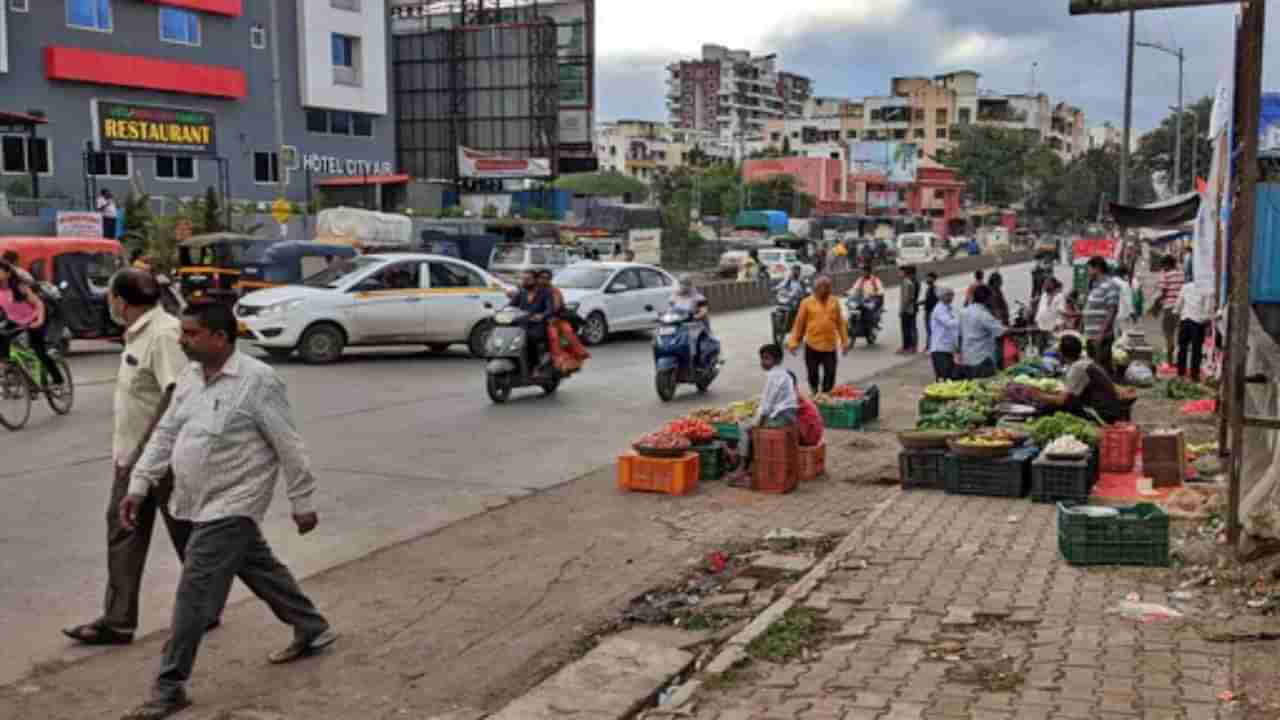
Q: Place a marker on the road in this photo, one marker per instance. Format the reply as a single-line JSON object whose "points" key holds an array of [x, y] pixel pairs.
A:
{"points": [[403, 443]]}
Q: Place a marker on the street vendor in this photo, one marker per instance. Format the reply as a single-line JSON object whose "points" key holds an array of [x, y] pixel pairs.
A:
{"points": [[1088, 386], [781, 405]]}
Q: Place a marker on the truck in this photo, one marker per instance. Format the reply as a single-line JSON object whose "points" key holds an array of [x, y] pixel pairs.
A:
{"points": [[772, 222]]}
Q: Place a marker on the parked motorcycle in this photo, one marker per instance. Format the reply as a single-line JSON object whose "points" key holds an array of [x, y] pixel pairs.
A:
{"points": [[676, 358], [517, 356], [864, 318]]}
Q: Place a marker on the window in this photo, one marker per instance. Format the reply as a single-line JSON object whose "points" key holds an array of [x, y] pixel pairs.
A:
{"points": [[258, 37], [346, 54], [940, 117], [318, 121], [89, 14], [900, 134], [942, 133], [919, 133], [266, 168], [361, 125], [919, 115], [18, 5], [179, 26], [653, 279], [452, 275], [175, 167], [401, 276], [345, 4], [625, 281], [966, 116], [13, 159], [852, 134], [340, 123], [875, 115], [113, 165]]}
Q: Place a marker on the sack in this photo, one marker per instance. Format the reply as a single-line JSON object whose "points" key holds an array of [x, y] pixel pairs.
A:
{"points": [[1139, 375]]}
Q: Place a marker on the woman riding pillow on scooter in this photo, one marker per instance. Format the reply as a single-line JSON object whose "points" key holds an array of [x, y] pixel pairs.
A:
{"points": [[24, 308]]}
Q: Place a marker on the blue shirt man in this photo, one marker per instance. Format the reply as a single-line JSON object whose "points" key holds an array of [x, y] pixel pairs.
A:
{"points": [[979, 332]]}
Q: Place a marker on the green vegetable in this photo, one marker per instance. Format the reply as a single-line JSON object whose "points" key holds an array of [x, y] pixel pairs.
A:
{"points": [[1047, 429], [955, 416], [1182, 389]]}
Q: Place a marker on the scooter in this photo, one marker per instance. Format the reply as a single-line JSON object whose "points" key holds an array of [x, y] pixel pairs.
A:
{"points": [[515, 360], [864, 318], [785, 307], [676, 358]]}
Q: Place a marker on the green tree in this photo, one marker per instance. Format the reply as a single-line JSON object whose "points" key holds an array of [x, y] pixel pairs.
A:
{"points": [[211, 211], [779, 192], [604, 184], [1155, 151], [138, 220], [995, 163]]}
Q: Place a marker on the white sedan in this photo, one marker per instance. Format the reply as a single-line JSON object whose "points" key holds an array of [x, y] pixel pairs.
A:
{"points": [[615, 297], [394, 299]]}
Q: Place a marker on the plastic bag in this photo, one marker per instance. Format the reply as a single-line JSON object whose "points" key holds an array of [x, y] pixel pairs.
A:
{"points": [[1139, 375]]}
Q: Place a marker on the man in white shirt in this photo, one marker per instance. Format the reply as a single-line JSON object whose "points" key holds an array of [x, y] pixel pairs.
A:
{"points": [[779, 405], [1194, 312], [1049, 312]]}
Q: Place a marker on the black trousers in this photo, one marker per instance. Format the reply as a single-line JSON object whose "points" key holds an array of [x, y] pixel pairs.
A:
{"points": [[822, 369], [910, 332], [1191, 342], [1101, 351], [944, 365]]}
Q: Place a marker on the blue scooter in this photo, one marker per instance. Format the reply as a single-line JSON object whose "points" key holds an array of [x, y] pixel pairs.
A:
{"points": [[676, 361]]}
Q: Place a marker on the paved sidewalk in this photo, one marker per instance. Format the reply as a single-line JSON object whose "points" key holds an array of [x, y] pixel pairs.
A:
{"points": [[958, 607]]}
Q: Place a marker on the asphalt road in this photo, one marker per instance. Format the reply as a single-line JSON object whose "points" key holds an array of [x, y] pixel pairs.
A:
{"points": [[403, 443]]}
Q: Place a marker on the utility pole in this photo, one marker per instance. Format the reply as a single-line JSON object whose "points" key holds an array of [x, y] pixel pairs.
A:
{"points": [[1177, 132], [278, 91], [1128, 111]]}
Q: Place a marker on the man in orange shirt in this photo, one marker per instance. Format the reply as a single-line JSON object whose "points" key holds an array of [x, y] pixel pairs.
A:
{"points": [[820, 325]]}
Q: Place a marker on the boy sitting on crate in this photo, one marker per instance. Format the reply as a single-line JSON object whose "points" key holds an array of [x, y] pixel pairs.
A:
{"points": [[781, 405]]}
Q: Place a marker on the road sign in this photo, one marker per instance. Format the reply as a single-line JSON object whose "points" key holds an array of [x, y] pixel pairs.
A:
{"points": [[280, 210]]}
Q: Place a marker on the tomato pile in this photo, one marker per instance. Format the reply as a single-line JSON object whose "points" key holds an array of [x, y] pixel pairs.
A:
{"points": [[695, 431], [846, 392], [663, 440]]}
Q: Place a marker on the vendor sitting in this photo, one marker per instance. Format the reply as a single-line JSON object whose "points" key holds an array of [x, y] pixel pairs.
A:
{"points": [[1088, 386], [781, 405]]}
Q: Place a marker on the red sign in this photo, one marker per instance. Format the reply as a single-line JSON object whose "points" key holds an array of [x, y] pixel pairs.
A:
{"points": [[104, 68], [1094, 247]]}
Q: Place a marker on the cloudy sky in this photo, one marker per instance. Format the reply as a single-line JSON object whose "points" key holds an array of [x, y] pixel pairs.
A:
{"points": [[853, 47]]}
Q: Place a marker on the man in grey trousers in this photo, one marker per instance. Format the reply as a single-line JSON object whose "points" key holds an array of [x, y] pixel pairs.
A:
{"points": [[228, 435]]}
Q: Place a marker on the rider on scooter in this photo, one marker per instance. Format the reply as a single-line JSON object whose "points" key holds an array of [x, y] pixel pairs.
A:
{"points": [[535, 300], [794, 288], [688, 300]]}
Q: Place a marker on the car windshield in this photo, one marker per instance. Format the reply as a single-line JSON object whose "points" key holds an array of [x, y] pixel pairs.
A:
{"points": [[340, 270], [582, 278], [508, 255]]}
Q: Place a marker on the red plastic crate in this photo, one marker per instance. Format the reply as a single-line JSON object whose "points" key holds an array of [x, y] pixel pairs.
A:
{"points": [[1118, 447], [813, 461], [675, 476], [775, 467]]}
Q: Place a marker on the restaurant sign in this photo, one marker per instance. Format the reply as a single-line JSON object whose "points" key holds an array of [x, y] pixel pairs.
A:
{"points": [[126, 127]]}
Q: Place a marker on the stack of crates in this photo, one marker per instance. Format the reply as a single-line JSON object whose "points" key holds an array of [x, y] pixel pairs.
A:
{"points": [[1002, 477], [1054, 480], [775, 465], [923, 469]]}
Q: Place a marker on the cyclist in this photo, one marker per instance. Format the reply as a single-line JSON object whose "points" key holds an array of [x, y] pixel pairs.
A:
{"points": [[24, 308]]}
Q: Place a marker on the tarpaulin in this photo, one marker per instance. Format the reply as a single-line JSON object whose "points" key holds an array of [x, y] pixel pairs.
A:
{"points": [[1174, 211]]}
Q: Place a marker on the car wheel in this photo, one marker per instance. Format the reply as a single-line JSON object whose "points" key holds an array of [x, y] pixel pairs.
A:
{"points": [[479, 338], [321, 345], [595, 330]]}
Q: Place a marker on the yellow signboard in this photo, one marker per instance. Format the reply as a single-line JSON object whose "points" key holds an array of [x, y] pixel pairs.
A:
{"points": [[280, 210]]}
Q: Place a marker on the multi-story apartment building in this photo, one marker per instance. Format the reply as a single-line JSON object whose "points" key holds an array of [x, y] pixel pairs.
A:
{"points": [[1105, 136], [733, 93], [644, 149], [172, 96]]}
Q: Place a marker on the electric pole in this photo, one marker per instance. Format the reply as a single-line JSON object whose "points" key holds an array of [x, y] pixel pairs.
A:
{"points": [[1177, 132], [278, 91], [1128, 112]]}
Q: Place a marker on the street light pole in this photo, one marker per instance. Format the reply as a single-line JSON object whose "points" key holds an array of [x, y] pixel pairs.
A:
{"points": [[1177, 141], [1128, 112]]}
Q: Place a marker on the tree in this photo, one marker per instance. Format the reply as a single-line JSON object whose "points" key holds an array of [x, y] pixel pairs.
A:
{"points": [[212, 212], [779, 192], [1155, 153], [995, 162], [138, 220], [603, 184]]}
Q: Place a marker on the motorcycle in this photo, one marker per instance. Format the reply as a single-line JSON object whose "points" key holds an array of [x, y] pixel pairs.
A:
{"points": [[515, 359], [864, 318], [785, 308], [676, 358]]}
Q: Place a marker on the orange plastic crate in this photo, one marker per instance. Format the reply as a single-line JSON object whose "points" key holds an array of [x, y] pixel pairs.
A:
{"points": [[813, 461], [675, 476], [775, 467], [1118, 447]]}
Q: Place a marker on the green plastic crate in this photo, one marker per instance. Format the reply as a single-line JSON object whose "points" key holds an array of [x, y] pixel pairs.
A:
{"points": [[846, 416], [728, 432], [1139, 536], [710, 465]]}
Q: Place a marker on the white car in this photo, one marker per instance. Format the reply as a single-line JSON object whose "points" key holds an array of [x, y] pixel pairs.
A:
{"points": [[779, 261], [394, 299], [615, 296], [920, 247]]}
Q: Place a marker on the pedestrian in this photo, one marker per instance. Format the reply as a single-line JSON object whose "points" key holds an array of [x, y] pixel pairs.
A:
{"points": [[980, 332], [107, 206], [149, 369], [1168, 287], [820, 326], [617, 253], [909, 303], [978, 277], [227, 435], [1049, 313], [629, 256], [930, 302], [1101, 311], [1194, 310], [999, 306], [944, 336]]}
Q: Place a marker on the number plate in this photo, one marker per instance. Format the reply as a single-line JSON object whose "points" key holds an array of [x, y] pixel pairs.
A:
{"points": [[667, 331]]}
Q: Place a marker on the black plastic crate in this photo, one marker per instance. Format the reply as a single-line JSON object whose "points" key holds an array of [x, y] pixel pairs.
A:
{"points": [[1003, 477], [923, 469], [1139, 535], [1054, 480], [871, 409]]}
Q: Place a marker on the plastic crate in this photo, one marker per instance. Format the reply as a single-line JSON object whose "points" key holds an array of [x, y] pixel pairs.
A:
{"points": [[710, 461], [923, 469], [1054, 480], [675, 476], [1004, 477], [1118, 447], [727, 432], [871, 404], [1139, 536], [813, 461], [775, 465], [845, 416]]}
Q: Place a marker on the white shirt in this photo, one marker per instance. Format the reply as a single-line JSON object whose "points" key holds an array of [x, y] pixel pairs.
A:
{"points": [[779, 394], [149, 365], [1193, 305], [107, 207], [1049, 314]]}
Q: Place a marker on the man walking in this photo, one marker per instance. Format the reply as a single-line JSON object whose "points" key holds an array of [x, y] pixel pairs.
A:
{"points": [[910, 301], [820, 325], [149, 368], [1101, 310], [228, 435], [944, 336]]}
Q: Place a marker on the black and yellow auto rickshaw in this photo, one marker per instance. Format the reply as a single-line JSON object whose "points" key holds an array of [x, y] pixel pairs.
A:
{"points": [[210, 266], [289, 262]]}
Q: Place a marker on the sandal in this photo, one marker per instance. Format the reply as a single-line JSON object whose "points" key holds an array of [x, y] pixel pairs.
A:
{"points": [[301, 648], [98, 633], [158, 709]]}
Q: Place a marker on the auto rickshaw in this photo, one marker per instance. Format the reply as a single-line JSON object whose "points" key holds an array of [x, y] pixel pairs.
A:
{"points": [[210, 266], [289, 262], [79, 270]]}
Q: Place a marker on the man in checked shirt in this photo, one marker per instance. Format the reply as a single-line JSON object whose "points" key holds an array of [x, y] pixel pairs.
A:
{"points": [[228, 434]]}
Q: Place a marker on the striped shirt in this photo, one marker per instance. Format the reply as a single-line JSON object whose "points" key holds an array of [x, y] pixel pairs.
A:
{"points": [[1168, 286], [1100, 309], [227, 440]]}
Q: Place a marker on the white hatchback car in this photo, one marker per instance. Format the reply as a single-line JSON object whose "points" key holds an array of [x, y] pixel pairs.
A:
{"points": [[615, 297], [394, 299]]}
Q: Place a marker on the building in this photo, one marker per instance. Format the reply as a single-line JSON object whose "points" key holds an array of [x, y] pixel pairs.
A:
{"points": [[512, 78], [733, 93], [644, 149], [170, 97], [1105, 136]]}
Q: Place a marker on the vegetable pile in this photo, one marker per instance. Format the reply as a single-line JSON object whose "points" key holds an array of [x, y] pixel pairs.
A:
{"points": [[1183, 389], [839, 395], [1066, 445], [1047, 429], [950, 389], [1044, 384], [955, 417], [663, 440], [730, 415], [695, 431]]}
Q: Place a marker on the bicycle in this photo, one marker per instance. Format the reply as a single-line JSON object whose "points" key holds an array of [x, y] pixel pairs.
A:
{"points": [[23, 378]]}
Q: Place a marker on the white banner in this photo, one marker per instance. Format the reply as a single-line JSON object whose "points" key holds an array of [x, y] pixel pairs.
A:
{"points": [[476, 164], [79, 224]]}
